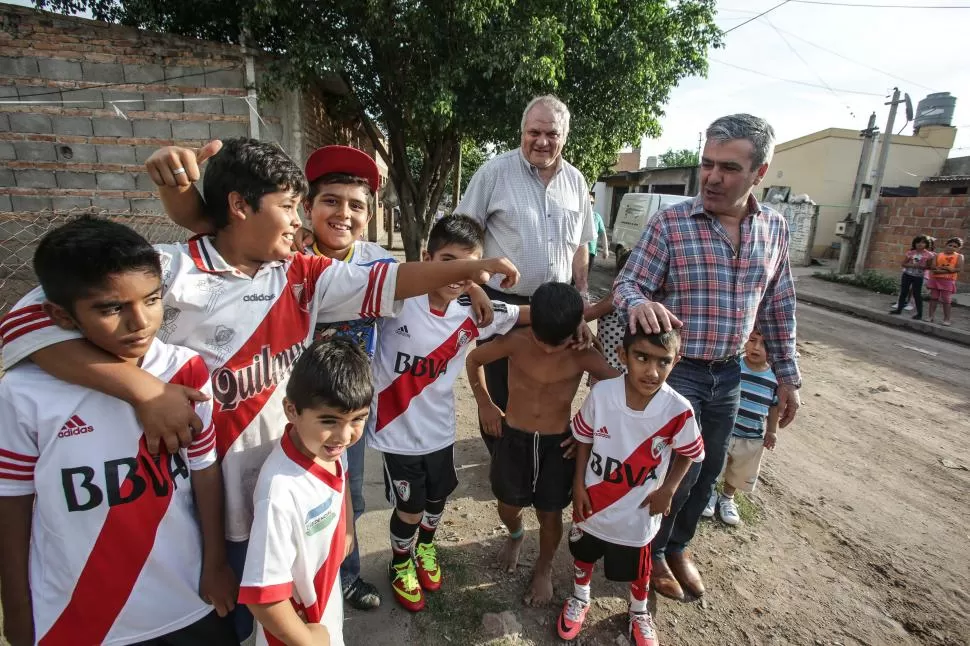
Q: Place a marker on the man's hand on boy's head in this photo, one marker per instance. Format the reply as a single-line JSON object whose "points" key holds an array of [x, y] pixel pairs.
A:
{"points": [[491, 417], [502, 266], [168, 417], [179, 166], [653, 317], [219, 587], [582, 506], [658, 501]]}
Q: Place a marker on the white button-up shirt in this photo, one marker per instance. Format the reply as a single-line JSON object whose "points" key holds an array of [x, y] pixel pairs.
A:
{"points": [[537, 227]]}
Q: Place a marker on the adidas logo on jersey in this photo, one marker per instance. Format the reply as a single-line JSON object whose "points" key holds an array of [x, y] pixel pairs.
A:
{"points": [[75, 426], [403, 331], [253, 298], [601, 432]]}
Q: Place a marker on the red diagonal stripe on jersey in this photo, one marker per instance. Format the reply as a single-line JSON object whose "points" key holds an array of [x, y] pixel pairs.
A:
{"points": [[114, 564], [396, 398], [284, 326], [603, 493]]}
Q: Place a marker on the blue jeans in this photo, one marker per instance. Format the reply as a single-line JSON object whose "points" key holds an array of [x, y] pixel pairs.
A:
{"points": [[714, 391], [350, 569]]}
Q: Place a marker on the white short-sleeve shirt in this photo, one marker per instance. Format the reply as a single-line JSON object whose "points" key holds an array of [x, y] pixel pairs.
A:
{"points": [[116, 548], [630, 456], [249, 330]]}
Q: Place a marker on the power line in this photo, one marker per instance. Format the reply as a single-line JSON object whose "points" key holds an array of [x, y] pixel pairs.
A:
{"points": [[882, 6], [806, 83], [756, 17]]}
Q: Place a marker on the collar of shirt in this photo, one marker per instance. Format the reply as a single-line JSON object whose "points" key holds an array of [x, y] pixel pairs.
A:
{"points": [[208, 259], [697, 206], [315, 251]]}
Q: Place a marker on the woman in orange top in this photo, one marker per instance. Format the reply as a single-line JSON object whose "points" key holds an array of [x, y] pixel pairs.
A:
{"points": [[947, 266]]}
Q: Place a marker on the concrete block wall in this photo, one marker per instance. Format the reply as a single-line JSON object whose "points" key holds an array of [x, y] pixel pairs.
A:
{"points": [[114, 94], [900, 219]]}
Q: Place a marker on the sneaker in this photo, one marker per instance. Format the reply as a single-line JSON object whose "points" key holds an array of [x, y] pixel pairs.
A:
{"points": [[642, 632], [571, 618], [429, 573], [709, 510], [910, 307], [404, 583], [729, 511], [362, 595]]}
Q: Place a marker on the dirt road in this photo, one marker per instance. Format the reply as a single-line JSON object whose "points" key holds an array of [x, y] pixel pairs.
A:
{"points": [[860, 534]]}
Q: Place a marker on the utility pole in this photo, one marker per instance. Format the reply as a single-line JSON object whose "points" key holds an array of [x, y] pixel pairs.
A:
{"points": [[870, 222], [868, 135]]}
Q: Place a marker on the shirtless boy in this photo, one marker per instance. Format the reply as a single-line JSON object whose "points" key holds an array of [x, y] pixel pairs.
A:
{"points": [[532, 461]]}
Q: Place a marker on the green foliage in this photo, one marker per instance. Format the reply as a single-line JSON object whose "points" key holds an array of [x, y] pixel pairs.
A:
{"points": [[682, 157], [871, 280], [436, 74]]}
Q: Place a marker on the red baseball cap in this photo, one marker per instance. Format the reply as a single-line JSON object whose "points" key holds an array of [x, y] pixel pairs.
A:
{"points": [[342, 159]]}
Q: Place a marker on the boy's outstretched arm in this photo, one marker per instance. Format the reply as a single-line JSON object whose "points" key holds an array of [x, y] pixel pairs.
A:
{"points": [[489, 414], [417, 278], [164, 410], [280, 619], [593, 362], [218, 586], [601, 308], [182, 201], [659, 499], [15, 524]]}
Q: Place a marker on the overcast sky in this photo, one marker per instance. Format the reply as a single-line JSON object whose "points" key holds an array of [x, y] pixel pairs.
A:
{"points": [[919, 50]]}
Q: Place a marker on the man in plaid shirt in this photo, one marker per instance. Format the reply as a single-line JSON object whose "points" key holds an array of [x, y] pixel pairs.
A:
{"points": [[717, 265]]}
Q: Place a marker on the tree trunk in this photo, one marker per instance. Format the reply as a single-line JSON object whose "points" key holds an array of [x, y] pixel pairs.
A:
{"points": [[420, 196]]}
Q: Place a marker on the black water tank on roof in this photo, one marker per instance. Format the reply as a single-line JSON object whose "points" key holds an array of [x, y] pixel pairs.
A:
{"points": [[935, 110]]}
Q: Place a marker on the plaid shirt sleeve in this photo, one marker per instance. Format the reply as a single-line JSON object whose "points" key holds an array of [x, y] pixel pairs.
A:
{"points": [[776, 320], [646, 269]]}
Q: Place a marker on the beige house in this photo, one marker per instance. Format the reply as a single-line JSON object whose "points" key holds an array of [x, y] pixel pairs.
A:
{"points": [[824, 165]]}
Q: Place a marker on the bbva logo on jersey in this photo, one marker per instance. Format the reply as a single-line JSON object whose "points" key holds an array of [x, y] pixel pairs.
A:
{"points": [[420, 366], [125, 480]]}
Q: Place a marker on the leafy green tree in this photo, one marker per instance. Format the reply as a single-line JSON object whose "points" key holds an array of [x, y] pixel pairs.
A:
{"points": [[432, 75], [682, 157]]}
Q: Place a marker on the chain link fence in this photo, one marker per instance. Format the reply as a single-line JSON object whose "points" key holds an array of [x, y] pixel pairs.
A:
{"points": [[20, 233]]}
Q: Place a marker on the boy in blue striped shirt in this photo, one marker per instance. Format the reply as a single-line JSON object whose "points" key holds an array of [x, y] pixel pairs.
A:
{"points": [[755, 429]]}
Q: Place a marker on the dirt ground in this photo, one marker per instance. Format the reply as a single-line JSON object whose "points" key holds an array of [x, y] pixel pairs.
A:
{"points": [[857, 534]]}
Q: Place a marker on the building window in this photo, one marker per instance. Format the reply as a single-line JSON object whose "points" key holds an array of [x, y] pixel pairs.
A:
{"points": [[958, 190]]}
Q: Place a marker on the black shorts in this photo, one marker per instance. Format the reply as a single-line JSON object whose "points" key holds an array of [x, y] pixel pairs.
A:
{"points": [[211, 630], [529, 470], [412, 480], [620, 562]]}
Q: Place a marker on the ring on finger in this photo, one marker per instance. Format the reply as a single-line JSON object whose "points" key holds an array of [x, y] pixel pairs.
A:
{"points": [[178, 171]]}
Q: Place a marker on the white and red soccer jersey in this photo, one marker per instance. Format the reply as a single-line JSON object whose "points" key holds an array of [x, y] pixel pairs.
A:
{"points": [[630, 457], [298, 540], [420, 356], [116, 550], [249, 330]]}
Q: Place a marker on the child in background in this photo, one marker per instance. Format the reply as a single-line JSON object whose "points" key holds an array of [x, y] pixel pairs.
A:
{"points": [[944, 272], [610, 325], [413, 420], [755, 429], [303, 519], [125, 547], [914, 264], [636, 438]]}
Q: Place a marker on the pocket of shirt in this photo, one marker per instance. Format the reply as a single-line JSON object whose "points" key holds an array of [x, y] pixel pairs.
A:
{"points": [[569, 225]]}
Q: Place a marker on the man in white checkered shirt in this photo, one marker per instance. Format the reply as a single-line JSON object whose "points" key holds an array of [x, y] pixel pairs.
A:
{"points": [[535, 208]]}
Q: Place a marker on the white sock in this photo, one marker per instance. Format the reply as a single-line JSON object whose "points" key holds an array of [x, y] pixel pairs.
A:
{"points": [[724, 498], [581, 592], [637, 605]]}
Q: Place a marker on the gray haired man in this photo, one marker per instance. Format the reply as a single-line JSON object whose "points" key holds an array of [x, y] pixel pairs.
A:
{"points": [[717, 265], [535, 209]]}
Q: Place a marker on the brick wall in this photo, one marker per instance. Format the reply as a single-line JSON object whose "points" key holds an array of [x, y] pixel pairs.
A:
{"points": [[900, 219]]}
